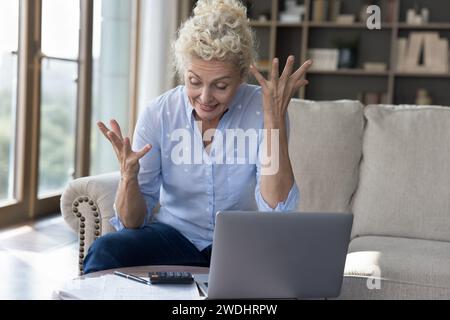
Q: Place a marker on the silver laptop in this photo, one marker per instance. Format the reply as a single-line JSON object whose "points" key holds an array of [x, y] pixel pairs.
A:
{"points": [[277, 255]]}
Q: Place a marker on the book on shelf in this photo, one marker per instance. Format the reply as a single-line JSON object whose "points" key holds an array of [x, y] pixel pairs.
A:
{"points": [[431, 54], [423, 52], [443, 50], [325, 10], [389, 11], [345, 19], [415, 44], [334, 9], [324, 59], [320, 9], [375, 66], [401, 53]]}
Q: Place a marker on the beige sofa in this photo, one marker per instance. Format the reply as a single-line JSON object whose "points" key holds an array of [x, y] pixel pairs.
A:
{"points": [[388, 165]]}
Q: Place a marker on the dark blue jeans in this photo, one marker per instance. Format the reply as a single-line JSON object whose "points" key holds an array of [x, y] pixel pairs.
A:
{"points": [[155, 244]]}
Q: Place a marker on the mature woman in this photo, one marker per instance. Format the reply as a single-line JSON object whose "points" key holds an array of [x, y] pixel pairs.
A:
{"points": [[183, 156]]}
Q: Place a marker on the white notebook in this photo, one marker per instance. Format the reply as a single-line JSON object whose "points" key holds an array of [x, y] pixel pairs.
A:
{"points": [[111, 287]]}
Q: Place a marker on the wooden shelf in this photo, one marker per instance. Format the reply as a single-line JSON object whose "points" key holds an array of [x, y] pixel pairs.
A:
{"points": [[422, 75], [428, 26], [350, 72], [356, 25], [276, 23], [290, 24], [281, 39], [256, 23]]}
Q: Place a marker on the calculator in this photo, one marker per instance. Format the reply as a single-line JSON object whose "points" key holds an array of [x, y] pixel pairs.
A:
{"points": [[171, 277]]}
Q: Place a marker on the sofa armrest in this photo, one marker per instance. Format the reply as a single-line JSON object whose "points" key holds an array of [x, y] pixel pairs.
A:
{"points": [[87, 205]]}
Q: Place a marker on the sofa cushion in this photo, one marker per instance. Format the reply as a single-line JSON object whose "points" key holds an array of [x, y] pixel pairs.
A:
{"points": [[355, 288], [407, 268], [325, 149], [404, 186]]}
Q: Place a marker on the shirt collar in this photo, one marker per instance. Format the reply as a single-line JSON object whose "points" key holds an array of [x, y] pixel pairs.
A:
{"points": [[187, 105]]}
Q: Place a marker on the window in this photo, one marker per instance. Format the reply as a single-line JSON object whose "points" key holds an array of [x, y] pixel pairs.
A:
{"points": [[59, 73], [64, 65], [9, 35]]}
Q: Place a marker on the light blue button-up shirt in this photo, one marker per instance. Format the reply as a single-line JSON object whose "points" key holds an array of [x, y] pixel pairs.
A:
{"points": [[191, 184]]}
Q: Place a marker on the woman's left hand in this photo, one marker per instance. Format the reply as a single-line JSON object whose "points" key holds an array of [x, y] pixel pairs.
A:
{"points": [[278, 91]]}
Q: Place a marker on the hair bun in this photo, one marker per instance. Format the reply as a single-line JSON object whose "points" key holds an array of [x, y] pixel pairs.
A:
{"points": [[220, 30], [207, 7]]}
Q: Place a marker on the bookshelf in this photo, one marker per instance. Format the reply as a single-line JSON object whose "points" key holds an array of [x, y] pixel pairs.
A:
{"points": [[280, 39]]}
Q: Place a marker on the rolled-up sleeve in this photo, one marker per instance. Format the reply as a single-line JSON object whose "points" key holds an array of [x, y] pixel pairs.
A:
{"points": [[147, 131], [290, 204], [116, 222], [293, 198]]}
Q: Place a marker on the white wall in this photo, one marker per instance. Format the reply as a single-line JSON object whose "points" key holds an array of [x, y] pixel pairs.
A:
{"points": [[111, 91], [158, 29]]}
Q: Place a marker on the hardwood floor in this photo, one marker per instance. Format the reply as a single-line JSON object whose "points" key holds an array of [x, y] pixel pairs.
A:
{"points": [[37, 258]]}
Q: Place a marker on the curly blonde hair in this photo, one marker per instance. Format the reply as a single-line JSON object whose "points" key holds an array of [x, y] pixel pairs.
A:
{"points": [[218, 30]]}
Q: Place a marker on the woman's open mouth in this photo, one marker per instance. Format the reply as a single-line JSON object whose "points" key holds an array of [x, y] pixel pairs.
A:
{"points": [[207, 108]]}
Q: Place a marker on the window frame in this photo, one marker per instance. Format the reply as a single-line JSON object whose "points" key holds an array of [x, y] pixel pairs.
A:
{"points": [[27, 205]]}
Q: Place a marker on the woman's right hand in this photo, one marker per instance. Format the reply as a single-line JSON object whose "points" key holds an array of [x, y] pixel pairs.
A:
{"points": [[128, 159]]}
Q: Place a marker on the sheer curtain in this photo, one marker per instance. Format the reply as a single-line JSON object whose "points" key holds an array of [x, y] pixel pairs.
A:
{"points": [[158, 30]]}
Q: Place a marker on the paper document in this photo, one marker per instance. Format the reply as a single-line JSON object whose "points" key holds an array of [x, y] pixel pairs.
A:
{"points": [[111, 287], [202, 282]]}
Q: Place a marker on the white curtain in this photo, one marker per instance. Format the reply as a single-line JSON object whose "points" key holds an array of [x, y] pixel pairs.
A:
{"points": [[158, 30]]}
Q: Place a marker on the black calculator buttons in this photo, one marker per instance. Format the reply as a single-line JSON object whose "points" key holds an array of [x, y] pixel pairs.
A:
{"points": [[171, 277]]}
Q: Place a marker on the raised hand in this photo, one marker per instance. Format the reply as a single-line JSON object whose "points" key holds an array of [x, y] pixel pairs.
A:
{"points": [[278, 91], [128, 159]]}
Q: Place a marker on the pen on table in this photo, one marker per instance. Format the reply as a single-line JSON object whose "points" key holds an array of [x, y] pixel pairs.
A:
{"points": [[131, 277]]}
